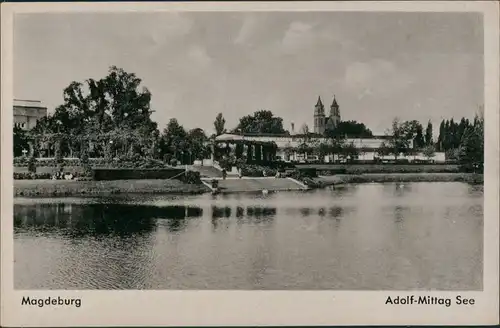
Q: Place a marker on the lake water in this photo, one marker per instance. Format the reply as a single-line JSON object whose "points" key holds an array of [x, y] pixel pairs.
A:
{"points": [[420, 236]]}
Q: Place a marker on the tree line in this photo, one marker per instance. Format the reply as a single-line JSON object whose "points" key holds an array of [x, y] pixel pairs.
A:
{"points": [[111, 117], [462, 142]]}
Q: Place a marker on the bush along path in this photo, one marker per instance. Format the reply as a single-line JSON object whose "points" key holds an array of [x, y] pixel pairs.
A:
{"points": [[65, 188]]}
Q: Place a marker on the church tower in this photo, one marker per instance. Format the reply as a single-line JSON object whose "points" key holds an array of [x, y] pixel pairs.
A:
{"points": [[319, 117], [334, 113]]}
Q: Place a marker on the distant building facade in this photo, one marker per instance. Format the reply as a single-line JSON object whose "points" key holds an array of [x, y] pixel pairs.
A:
{"points": [[322, 122], [27, 113], [368, 148]]}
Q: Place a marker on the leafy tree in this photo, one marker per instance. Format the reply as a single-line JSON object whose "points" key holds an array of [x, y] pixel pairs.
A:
{"points": [[288, 151], [115, 106], [32, 164], [400, 137], [305, 148], [58, 153], [304, 130], [262, 121], [307, 143], [46, 124], [337, 145], [219, 124], [440, 142], [461, 129], [429, 151], [455, 138], [451, 134], [85, 162], [323, 149], [452, 154], [447, 136], [334, 145], [350, 151], [197, 141], [383, 150], [175, 140], [418, 141], [471, 154], [350, 129], [428, 134]]}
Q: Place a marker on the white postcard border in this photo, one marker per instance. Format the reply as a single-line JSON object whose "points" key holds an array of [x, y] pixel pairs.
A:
{"points": [[193, 308]]}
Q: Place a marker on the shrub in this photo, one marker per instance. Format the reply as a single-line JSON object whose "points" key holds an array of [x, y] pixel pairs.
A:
{"points": [[21, 161], [59, 168], [249, 170], [191, 177], [342, 170], [308, 172], [31, 176], [58, 155], [134, 173], [98, 161], [385, 168], [87, 169], [269, 171], [312, 183], [32, 164], [227, 163]]}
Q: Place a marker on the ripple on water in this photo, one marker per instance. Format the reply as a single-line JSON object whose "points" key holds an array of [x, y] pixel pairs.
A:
{"points": [[375, 236]]}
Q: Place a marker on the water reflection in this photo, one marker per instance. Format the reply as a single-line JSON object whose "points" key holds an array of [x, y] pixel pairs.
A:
{"points": [[221, 212], [248, 214], [336, 212], [261, 212], [80, 220], [399, 213], [366, 237], [305, 211], [240, 212], [399, 189]]}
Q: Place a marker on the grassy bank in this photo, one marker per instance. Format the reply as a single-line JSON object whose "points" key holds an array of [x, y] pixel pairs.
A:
{"points": [[328, 169], [324, 181], [54, 188]]}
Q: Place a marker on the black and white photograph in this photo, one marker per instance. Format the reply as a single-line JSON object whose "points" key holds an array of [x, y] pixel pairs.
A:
{"points": [[251, 150]]}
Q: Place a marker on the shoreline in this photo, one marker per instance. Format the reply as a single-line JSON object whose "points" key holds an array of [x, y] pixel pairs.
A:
{"points": [[64, 188], [326, 181], [71, 188]]}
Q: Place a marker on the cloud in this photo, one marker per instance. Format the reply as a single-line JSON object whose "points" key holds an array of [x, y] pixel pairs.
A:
{"points": [[199, 56], [166, 26], [297, 36], [247, 30], [376, 76]]}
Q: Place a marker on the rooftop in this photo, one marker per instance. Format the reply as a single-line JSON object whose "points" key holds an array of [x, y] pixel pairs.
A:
{"points": [[28, 103], [287, 135]]}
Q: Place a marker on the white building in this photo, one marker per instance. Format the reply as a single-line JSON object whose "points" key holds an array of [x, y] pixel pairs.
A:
{"points": [[367, 147], [27, 113]]}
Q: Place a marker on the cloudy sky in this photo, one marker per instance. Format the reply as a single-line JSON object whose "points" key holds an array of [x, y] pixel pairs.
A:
{"points": [[379, 65]]}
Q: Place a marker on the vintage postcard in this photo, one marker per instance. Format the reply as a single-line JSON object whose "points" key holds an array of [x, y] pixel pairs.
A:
{"points": [[259, 163]]}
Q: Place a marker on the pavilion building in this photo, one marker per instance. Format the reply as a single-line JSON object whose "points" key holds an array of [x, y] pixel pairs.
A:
{"points": [[287, 146], [27, 113]]}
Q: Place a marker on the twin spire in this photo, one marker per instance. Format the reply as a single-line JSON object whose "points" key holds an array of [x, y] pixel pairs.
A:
{"points": [[319, 103], [323, 122], [334, 103]]}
